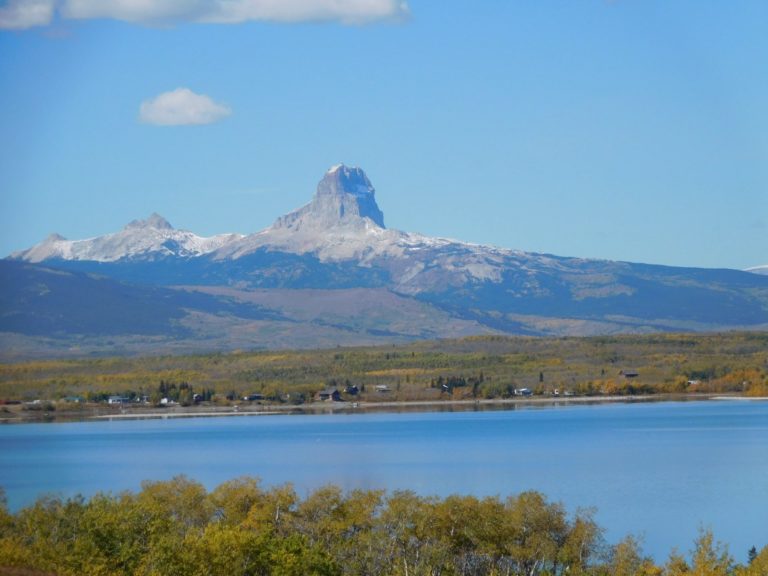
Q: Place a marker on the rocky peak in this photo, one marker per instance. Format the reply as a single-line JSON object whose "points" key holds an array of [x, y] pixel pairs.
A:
{"points": [[154, 221], [344, 197], [341, 179]]}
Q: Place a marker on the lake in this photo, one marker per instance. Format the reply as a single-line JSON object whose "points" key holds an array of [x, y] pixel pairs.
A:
{"points": [[659, 470]]}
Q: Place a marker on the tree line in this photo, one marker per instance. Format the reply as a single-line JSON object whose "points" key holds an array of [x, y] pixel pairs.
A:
{"points": [[177, 527], [477, 367]]}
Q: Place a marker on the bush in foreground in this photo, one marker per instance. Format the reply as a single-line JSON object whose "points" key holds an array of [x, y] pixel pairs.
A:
{"points": [[241, 528]]}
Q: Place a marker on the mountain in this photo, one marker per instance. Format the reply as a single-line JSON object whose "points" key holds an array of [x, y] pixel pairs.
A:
{"points": [[150, 239], [343, 225], [337, 249]]}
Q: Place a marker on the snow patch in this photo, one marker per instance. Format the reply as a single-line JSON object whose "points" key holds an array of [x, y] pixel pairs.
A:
{"points": [[763, 270]]}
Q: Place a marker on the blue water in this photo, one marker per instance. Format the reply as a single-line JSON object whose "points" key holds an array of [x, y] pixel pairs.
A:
{"points": [[659, 470]]}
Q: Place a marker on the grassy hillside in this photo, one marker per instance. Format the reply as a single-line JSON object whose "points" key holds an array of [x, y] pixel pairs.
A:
{"points": [[477, 367]]}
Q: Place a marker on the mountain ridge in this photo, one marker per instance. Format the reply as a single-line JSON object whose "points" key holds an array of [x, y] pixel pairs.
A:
{"points": [[342, 222], [152, 238], [338, 242]]}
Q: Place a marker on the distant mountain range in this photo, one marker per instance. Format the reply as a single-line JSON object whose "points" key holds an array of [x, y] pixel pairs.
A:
{"points": [[331, 273]]}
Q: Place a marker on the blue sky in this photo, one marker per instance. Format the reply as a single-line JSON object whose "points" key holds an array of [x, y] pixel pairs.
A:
{"points": [[629, 130]]}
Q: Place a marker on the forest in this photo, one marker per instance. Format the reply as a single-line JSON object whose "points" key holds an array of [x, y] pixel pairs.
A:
{"points": [[485, 367], [177, 527]]}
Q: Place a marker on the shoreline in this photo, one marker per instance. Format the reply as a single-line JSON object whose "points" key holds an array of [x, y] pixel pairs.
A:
{"points": [[95, 413]]}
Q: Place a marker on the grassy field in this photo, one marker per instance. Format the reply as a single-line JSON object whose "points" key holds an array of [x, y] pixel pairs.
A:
{"points": [[478, 367]]}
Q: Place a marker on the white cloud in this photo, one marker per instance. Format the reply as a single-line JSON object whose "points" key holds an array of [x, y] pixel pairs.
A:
{"points": [[181, 107], [21, 14], [27, 13], [346, 11], [137, 11]]}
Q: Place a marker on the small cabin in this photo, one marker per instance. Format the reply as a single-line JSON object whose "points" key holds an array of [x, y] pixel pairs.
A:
{"points": [[329, 395]]}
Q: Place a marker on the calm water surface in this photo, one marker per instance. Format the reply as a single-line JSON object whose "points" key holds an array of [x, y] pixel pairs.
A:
{"points": [[660, 470]]}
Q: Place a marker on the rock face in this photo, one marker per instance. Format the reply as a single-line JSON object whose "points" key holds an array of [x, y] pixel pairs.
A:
{"points": [[343, 214], [154, 222], [344, 197]]}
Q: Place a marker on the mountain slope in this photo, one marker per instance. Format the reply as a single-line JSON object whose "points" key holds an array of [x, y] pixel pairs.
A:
{"points": [[43, 301], [48, 312]]}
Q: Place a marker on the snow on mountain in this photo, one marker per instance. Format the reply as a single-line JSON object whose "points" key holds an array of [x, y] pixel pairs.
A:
{"points": [[343, 222], [149, 239], [758, 270], [339, 241]]}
